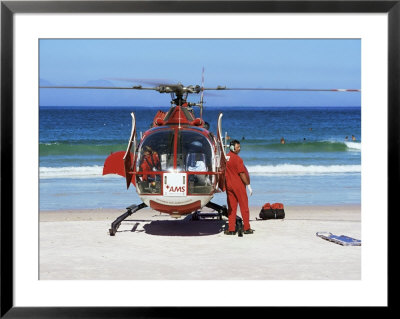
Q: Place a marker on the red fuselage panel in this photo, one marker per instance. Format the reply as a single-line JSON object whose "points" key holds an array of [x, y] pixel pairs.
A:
{"points": [[184, 209]]}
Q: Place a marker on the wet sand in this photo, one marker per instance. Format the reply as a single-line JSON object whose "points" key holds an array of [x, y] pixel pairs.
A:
{"points": [[75, 244]]}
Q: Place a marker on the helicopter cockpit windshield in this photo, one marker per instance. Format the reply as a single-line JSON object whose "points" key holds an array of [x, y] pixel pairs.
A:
{"points": [[156, 153], [163, 151], [194, 154]]}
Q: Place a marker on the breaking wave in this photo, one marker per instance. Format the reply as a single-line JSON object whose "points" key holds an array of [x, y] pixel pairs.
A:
{"points": [[57, 148], [98, 148], [304, 147], [71, 172], [262, 170], [353, 145], [290, 169]]}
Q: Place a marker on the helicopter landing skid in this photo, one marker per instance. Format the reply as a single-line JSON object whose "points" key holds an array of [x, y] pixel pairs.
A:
{"points": [[197, 215], [130, 210], [220, 209], [223, 211]]}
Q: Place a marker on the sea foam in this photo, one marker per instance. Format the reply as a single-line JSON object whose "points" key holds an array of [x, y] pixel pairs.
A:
{"points": [[353, 145], [263, 170], [71, 172], [290, 169]]}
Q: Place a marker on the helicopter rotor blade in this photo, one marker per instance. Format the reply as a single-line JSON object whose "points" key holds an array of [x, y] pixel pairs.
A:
{"points": [[179, 88], [282, 89], [144, 81], [139, 87], [162, 88]]}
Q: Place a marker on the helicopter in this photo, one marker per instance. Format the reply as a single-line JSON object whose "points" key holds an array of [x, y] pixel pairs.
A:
{"points": [[178, 165]]}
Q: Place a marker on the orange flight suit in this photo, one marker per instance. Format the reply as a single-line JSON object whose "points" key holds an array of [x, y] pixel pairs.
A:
{"points": [[236, 191], [150, 161]]}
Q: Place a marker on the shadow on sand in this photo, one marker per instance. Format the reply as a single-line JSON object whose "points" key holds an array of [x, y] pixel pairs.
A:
{"points": [[180, 227]]}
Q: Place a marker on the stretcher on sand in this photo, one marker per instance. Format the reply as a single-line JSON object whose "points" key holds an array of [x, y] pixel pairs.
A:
{"points": [[341, 240]]}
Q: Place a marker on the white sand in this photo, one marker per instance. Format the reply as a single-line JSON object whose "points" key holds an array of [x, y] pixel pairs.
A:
{"points": [[150, 245]]}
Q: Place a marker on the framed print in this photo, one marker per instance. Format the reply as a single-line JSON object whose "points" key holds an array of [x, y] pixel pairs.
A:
{"points": [[308, 89]]}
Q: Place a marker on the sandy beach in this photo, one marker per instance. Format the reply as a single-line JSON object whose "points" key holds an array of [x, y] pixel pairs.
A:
{"points": [[75, 244]]}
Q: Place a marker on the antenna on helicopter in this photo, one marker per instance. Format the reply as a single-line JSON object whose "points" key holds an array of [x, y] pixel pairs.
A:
{"points": [[202, 94]]}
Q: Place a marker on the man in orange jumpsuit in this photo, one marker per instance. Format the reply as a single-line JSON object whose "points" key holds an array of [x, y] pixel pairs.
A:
{"points": [[237, 178], [150, 162]]}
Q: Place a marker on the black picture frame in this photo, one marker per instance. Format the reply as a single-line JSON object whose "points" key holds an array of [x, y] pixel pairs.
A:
{"points": [[9, 8]]}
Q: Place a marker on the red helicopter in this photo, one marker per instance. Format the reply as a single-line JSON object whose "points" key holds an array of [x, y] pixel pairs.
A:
{"points": [[178, 164]]}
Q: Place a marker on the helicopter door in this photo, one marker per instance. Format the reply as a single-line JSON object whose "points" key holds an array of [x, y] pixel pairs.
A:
{"points": [[129, 156], [221, 151]]}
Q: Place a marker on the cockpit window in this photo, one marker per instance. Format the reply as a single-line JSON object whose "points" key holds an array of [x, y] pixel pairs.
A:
{"points": [[155, 154], [161, 146], [194, 152]]}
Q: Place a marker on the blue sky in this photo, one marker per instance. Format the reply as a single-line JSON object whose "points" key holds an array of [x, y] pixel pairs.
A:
{"points": [[270, 63]]}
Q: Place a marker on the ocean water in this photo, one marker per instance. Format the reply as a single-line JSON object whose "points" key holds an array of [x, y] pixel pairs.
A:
{"points": [[316, 165]]}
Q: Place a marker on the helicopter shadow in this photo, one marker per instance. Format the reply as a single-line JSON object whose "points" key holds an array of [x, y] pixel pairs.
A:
{"points": [[184, 227]]}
